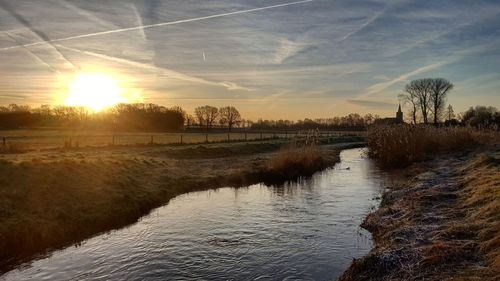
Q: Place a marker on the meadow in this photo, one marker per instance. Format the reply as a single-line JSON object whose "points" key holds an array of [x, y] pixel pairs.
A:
{"points": [[26, 140]]}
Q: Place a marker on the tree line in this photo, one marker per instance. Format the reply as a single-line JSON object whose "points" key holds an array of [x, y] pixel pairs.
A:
{"points": [[208, 116], [120, 117], [353, 121], [152, 117]]}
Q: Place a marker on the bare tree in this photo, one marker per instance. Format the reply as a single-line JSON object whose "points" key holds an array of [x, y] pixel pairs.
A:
{"points": [[229, 116], [206, 115], [439, 89], [199, 112], [410, 98], [428, 95], [189, 120], [450, 113], [421, 90]]}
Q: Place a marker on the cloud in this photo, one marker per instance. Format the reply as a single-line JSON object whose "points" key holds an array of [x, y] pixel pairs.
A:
{"points": [[46, 39], [164, 71], [288, 49], [17, 97], [82, 12], [36, 31], [379, 87], [372, 104]]}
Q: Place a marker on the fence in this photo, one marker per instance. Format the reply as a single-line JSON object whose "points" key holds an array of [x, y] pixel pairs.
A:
{"points": [[39, 141]]}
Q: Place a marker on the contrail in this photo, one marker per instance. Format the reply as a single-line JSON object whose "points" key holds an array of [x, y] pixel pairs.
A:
{"points": [[35, 56], [37, 32], [363, 25], [157, 24], [86, 14], [165, 71], [139, 20]]}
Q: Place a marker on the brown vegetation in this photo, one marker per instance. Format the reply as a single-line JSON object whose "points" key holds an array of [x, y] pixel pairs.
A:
{"points": [[293, 162], [401, 145], [13, 148], [440, 224]]}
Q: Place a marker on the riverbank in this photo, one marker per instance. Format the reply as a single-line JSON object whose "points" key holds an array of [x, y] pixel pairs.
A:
{"points": [[54, 198], [440, 221]]}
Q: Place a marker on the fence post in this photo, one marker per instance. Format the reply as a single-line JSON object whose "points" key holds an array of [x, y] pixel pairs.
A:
{"points": [[228, 137], [206, 138], [182, 140], [286, 134], [151, 142]]}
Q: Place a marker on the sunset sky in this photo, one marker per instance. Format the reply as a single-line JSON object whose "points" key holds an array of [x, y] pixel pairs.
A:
{"points": [[269, 58]]}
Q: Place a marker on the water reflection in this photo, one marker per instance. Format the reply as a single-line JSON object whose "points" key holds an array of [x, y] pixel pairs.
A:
{"points": [[303, 230]]}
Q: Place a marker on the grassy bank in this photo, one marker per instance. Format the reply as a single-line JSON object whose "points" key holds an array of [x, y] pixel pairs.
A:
{"points": [[440, 219], [51, 200]]}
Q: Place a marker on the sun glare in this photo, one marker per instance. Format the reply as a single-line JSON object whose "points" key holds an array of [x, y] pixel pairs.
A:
{"points": [[95, 91]]}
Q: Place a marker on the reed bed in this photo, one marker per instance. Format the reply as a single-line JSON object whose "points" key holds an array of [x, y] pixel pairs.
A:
{"points": [[301, 158], [401, 145]]}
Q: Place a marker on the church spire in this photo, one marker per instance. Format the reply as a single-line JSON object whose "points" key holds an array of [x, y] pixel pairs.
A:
{"points": [[399, 115]]}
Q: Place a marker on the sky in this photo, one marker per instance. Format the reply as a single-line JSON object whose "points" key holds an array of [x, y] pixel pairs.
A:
{"points": [[269, 58]]}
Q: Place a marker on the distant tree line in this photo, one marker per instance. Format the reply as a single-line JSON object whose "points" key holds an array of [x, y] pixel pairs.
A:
{"points": [[208, 117], [152, 117], [120, 117], [352, 121]]}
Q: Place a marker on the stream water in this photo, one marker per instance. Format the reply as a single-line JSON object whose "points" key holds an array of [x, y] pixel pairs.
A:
{"points": [[308, 230]]}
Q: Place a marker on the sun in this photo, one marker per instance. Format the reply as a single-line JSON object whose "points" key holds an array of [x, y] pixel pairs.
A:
{"points": [[96, 91]]}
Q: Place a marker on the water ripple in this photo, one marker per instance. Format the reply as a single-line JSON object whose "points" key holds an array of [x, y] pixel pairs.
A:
{"points": [[304, 231]]}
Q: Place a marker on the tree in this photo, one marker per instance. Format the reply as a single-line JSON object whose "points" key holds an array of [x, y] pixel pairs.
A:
{"points": [[229, 116], [481, 116], [450, 114], [439, 89], [409, 97], [189, 120], [428, 95], [206, 115], [419, 91]]}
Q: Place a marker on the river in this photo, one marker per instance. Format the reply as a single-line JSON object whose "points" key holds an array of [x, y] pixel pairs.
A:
{"points": [[308, 230]]}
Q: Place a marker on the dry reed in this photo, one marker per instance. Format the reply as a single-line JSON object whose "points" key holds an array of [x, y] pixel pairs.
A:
{"points": [[401, 145]]}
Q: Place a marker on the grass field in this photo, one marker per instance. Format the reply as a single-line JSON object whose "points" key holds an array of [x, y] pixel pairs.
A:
{"points": [[49, 139]]}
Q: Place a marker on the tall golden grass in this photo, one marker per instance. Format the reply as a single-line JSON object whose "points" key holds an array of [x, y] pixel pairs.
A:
{"points": [[401, 145], [302, 158], [293, 159]]}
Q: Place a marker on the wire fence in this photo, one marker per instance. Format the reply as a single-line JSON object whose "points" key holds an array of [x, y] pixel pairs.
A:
{"points": [[61, 140]]}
